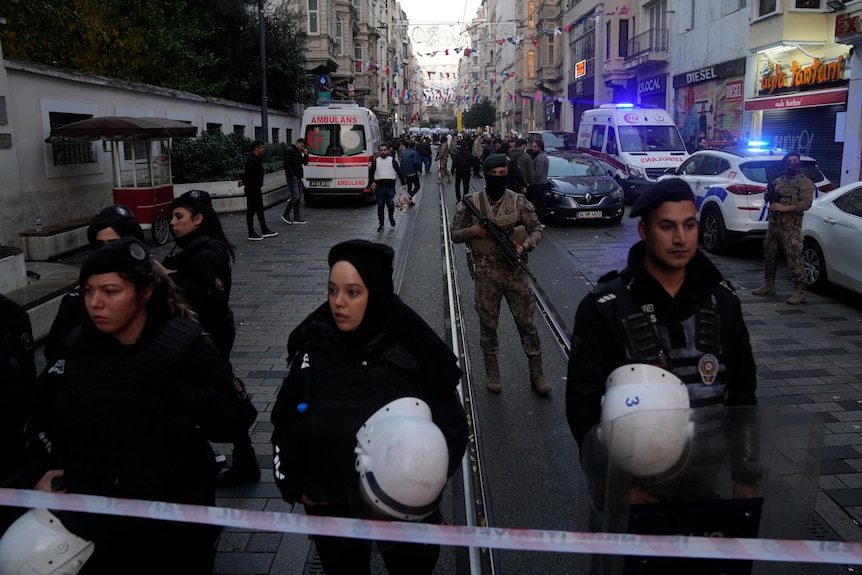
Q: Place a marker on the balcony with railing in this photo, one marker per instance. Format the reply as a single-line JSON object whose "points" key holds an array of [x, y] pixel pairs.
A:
{"points": [[648, 47]]}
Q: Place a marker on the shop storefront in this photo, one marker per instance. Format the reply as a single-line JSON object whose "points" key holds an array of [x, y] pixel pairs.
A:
{"points": [[653, 91], [581, 94], [801, 105], [710, 101]]}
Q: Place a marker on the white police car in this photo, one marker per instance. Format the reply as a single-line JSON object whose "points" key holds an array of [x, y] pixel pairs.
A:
{"points": [[729, 185]]}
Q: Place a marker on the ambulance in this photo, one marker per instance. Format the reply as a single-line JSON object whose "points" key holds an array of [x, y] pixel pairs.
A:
{"points": [[342, 138], [637, 143]]}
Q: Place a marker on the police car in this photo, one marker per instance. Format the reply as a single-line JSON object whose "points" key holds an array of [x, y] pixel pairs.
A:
{"points": [[729, 185]]}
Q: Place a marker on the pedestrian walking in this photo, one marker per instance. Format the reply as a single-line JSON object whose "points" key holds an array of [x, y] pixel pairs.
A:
{"points": [[462, 165], [443, 162], [125, 409], [425, 153], [789, 197], [495, 277], [363, 351], [536, 192], [252, 180], [411, 165], [295, 157], [477, 156], [382, 173]]}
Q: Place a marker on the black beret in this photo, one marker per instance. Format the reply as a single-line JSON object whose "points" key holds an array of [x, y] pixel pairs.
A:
{"points": [[190, 198], [495, 160], [667, 190], [373, 261], [118, 217], [116, 256]]}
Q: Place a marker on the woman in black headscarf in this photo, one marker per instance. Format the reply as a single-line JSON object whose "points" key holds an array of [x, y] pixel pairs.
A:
{"points": [[357, 352]]}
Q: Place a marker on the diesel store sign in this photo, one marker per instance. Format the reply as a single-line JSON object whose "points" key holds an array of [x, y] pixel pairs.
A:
{"points": [[723, 70]]}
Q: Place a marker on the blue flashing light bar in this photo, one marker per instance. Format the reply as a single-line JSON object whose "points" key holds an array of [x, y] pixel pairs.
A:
{"points": [[757, 144], [625, 105]]}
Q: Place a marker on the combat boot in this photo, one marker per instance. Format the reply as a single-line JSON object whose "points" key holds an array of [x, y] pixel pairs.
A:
{"points": [[492, 374], [768, 288], [537, 377], [244, 469], [798, 295]]}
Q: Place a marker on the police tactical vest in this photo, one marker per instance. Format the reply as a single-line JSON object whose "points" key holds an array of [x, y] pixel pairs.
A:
{"points": [[690, 349], [120, 430]]}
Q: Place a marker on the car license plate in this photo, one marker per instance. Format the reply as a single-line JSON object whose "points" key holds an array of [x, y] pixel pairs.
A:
{"points": [[589, 215], [319, 183]]}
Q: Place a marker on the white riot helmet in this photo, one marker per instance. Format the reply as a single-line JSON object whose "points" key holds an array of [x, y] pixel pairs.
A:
{"points": [[645, 420], [38, 544], [402, 460]]}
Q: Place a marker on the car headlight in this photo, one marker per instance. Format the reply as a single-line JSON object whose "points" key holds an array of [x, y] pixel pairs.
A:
{"points": [[617, 194], [635, 171]]}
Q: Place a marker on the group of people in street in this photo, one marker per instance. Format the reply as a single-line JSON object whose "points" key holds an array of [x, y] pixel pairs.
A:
{"points": [[139, 381]]}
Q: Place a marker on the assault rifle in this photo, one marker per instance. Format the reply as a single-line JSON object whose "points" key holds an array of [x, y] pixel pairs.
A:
{"points": [[501, 238]]}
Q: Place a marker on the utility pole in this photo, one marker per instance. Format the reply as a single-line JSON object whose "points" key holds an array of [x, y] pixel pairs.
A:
{"points": [[264, 123]]}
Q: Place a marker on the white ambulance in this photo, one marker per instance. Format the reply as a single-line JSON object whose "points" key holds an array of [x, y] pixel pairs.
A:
{"points": [[637, 143], [341, 138]]}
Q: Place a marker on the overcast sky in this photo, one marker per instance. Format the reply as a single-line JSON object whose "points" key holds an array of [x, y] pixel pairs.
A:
{"points": [[449, 17]]}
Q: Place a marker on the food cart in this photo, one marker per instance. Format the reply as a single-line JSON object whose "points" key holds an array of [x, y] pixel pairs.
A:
{"points": [[141, 162]]}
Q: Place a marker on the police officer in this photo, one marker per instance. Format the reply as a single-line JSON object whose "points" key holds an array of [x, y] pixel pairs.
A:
{"points": [[669, 307], [357, 352], [126, 408], [201, 270], [495, 278], [111, 223], [789, 197], [17, 382]]}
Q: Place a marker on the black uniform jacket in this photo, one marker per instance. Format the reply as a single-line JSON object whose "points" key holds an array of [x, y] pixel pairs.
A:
{"points": [[599, 346], [314, 445]]}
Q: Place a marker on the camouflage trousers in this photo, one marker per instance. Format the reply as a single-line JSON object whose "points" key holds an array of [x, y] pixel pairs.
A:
{"points": [[492, 284], [789, 235]]}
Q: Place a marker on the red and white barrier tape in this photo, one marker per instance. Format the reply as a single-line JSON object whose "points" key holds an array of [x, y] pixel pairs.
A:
{"points": [[455, 535]]}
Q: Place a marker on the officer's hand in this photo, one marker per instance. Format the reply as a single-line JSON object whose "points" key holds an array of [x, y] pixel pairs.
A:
{"points": [[158, 265], [741, 491], [239, 184], [44, 484], [477, 231], [637, 495], [306, 501]]}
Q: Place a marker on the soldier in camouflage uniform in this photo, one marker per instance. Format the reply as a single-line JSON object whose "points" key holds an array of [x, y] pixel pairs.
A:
{"points": [[495, 277], [789, 197]]}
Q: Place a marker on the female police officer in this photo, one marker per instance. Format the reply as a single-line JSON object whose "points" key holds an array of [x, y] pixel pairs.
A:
{"points": [[354, 354], [126, 408], [201, 271]]}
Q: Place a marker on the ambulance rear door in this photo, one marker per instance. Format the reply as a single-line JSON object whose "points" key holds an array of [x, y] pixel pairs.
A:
{"points": [[339, 155]]}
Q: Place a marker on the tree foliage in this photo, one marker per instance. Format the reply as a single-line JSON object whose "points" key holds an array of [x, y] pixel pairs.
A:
{"points": [[217, 157], [481, 114], [209, 47]]}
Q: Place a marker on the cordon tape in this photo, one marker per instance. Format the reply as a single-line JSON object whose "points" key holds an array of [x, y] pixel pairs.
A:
{"points": [[454, 535]]}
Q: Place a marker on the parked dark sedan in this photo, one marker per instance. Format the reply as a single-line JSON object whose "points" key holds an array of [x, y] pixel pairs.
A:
{"points": [[579, 188]]}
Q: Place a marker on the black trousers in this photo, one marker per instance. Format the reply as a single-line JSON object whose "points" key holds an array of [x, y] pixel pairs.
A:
{"points": [[462, 182], [254, 206], [536, 195], [344, 556]]}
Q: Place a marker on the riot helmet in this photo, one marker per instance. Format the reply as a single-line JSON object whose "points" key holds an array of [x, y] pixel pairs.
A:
{"points": [[37, 543], [645, 423], [402, 459]]}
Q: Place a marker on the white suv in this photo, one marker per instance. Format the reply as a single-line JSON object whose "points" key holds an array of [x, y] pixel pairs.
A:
{"points": [[729, 185]]}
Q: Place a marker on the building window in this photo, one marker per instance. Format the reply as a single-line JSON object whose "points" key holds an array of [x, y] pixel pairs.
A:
{"points": [[313, 16], [531, 14], [607, 40], [357, 58], [549, 52], [357, 4], [239, 130], [766, 7], [624, 38], [808, 4], [275, 135], [258, 133], [339, 36], [213, 127], [658, 15], [531, 64], [71, 153]]}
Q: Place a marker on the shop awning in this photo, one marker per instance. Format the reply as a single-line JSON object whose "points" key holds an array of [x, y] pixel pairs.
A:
{"points": [[121, 129], [798, 100]]}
